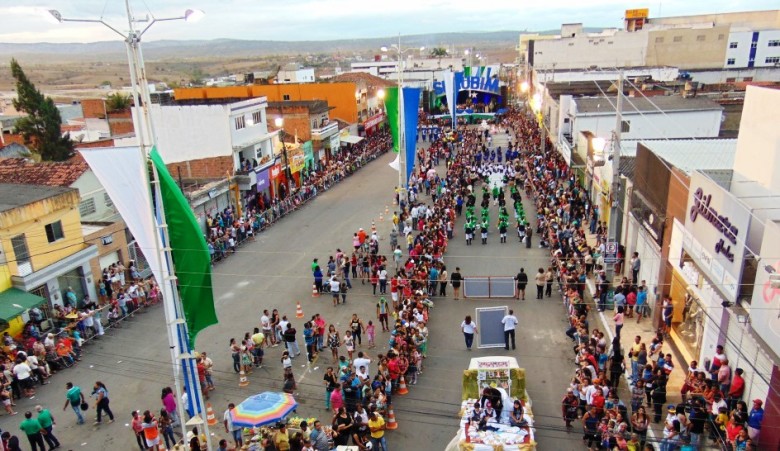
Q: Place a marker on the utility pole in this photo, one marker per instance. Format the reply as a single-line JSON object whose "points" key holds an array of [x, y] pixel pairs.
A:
{"points": [[613, 212], [541, 113]]}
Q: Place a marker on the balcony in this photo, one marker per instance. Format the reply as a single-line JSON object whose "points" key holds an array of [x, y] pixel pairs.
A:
{"points": [[27, 280], [325, 132]]}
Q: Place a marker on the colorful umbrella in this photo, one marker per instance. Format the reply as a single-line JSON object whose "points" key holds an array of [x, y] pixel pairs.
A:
{"points": [[264, 408]]}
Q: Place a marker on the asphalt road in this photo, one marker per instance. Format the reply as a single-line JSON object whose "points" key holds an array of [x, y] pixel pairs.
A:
{"points": [[273, 272]]}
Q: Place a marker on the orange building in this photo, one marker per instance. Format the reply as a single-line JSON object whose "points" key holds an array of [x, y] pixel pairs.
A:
{"points": [[343, 98]]}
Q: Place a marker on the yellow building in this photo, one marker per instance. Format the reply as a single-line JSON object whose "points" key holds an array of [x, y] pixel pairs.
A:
{"points": [[43, 251]]}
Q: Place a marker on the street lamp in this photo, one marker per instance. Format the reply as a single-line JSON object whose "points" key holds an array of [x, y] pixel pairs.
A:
{"points": [[279, 122], [401, 135], [176, 326]]}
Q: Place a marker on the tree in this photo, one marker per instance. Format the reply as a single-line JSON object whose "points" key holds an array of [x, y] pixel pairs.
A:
{"points": [[117, 102], [41, 128], [439, 52]]}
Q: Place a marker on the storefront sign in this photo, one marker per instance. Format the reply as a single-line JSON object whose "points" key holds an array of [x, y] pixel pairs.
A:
{"points": [[701, 207], [374, 120], [263, 181], [276, 171], [108, 239], [641, 13], [717, 224]]}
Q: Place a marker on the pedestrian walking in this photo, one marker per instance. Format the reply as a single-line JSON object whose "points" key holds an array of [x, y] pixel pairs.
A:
{"points": [[548, 278], [32, 428], [100, 393], [74, 398], [469, 328], [510, 323], [46, 420]]}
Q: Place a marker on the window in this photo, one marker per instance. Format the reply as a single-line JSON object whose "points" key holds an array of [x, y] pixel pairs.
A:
{"points": [[257, 117], [677, 39], [733, 45], [754, 45], [19, 244], [772, 59], [107, 200], [286, 97], [747, 79], [731, 79], [54, 231], [731, 61], [87, 207], [701, 38], [773, 43], [625, 126], [659, 40], [240, 122]]}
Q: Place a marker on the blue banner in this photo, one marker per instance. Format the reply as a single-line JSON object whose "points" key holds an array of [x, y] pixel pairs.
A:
{"points": [[411, 101]]}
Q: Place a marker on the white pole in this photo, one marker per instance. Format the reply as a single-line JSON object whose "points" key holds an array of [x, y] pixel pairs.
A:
{"points": [[401, 138], [613, 211], [175, 326]]}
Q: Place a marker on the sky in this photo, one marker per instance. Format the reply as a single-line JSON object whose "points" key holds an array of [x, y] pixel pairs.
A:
{"points": [[300, 20]]}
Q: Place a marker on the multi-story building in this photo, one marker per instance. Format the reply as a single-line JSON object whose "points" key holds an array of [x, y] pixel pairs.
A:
{"points": [[42, 242], [743, 43], [295, 73]]}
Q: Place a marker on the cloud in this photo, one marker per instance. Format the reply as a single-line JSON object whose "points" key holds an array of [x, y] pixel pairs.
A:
{"points": [[333, 19]]}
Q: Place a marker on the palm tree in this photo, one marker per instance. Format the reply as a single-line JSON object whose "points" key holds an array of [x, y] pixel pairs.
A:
{"points": [[118, 102], [439, 52]]}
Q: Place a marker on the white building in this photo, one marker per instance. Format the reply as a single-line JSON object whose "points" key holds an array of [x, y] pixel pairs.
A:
{"points": [[376, 68], [294, 73]]}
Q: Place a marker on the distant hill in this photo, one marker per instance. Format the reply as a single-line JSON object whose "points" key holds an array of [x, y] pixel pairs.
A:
{"points": [[235, 48]]}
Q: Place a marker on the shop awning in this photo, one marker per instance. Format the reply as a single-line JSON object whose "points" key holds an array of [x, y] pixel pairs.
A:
{"points": [[351, 139], [13, 302]]}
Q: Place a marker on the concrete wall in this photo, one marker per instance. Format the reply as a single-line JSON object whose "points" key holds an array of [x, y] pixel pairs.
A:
{"points": [[32, 219], [758, 147], [688, 48], [192, 132], [697, 124], [622, 49]]}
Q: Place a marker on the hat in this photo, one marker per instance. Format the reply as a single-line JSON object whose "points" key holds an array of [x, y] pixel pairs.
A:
{"points": [[758, 401], [671, 408]]}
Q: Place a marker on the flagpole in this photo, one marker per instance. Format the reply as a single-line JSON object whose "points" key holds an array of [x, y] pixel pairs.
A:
{"points": [[401, 138], [176, 328]]}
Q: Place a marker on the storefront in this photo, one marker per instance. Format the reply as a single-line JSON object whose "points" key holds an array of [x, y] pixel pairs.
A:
{"points": [[308, 154], [373, 124], [707, 254]]}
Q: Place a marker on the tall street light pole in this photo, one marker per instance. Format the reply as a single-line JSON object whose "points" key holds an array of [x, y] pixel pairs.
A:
{"points": [[279, 122], [613, 212], [147, 139]]}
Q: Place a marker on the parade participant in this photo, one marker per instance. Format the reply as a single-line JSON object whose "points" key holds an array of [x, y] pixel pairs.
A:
{"points": [[32, 428], [46, 420]]}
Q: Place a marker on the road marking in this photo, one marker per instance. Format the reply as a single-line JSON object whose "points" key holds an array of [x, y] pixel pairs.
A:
{"points": [[242, 284], [227, 294]]}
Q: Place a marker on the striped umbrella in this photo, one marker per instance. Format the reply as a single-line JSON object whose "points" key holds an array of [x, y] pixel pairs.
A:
{"points": [[264, 408]]}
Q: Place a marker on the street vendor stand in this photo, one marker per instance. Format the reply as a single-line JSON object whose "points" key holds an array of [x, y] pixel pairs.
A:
{"points": [[505, 375]]}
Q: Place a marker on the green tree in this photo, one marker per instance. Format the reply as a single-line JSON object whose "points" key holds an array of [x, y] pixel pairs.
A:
{"points": [[118, 102], [41, 128], [439, 52]]}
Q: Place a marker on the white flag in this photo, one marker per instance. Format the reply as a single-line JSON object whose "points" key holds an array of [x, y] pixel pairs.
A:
{"points": [[396, 164]]}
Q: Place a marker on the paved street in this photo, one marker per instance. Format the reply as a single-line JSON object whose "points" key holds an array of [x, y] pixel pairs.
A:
{"points": [[274, 272]]}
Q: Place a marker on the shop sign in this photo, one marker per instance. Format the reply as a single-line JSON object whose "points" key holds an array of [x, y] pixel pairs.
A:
{"points": [[263, 181], [641, 13], [374, 120], [106, 240], [276, 170], [717, 223]]}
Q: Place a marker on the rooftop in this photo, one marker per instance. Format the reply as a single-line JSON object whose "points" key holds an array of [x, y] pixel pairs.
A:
{"points": [[18, 195], [689, 154], [674, 103], [362, 77], [314, 106], [26, 172]]}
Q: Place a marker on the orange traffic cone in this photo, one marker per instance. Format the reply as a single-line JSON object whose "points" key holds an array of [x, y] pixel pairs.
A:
{"points": [[161, 446], [242, 380], [211, 419], [387, 209], [298, 311], [391, 424], [402, 390], [314, 292], [381, 217]]}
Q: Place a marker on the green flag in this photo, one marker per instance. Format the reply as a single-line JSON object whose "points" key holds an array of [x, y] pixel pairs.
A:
{"points": [[391, 107], [190, 254]]}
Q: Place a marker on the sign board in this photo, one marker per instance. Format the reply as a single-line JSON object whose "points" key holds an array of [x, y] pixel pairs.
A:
{"points": [[765, 306], [374, 120], [263, 181], [491, 331], [718, 225], [641, 13], [611, 252], [479, 78]]}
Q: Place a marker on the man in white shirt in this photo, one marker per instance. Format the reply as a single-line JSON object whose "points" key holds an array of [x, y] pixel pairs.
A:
{"points": [[265, 324], [361, 360], [510, 323]]}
